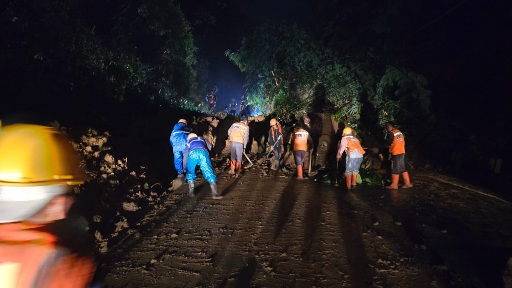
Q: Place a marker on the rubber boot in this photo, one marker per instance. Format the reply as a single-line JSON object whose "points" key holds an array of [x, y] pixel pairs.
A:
{"points": [[276, 165], [354, 181], [299, 172], [238, 168], [215, 195], [232, 167], [407, 180], [191, 189], [348, 181], [394, 181]]}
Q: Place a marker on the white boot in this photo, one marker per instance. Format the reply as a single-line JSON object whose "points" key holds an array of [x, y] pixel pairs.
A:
{"points": [[191, 189], [215, 195]]}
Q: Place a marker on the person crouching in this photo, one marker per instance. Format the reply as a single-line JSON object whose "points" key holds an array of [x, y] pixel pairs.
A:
{"points": [[196, 154]]}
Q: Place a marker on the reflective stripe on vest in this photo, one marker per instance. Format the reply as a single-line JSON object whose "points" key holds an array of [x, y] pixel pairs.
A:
{"points": [[398, 145], [179, 132]]}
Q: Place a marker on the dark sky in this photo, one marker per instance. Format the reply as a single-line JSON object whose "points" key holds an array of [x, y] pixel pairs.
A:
{"points": [[253, 13], [460, 46], [276, 12]]}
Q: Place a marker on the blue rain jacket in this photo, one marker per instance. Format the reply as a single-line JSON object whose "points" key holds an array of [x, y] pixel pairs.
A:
{"points": [[197, 148], [178, 141]]}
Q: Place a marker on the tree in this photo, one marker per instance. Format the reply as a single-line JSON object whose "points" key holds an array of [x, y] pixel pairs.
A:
{"points": [[90, 51], [280, 65]]}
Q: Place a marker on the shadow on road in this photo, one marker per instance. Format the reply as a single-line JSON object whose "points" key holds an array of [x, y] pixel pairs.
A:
{"points": [[286, 204], [313, 215], [360, 273]]}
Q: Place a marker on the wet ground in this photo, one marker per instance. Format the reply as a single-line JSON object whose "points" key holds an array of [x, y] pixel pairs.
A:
{"points": [[276, 231]]}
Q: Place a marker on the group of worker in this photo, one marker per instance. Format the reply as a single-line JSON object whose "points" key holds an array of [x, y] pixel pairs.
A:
{"points": [[233, 107], [301, 142], [191, 150], [351, 146]]}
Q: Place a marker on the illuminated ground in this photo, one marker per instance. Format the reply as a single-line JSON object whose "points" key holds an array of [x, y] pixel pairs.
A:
{"points": [[275, 231]]}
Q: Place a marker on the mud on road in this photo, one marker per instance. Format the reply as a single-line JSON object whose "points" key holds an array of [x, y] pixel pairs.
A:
{"points": [[276, 231]]}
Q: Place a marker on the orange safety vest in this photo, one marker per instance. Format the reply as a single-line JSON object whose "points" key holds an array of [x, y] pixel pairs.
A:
{"points": [[238, 131], [354, 144], [398, 145], [30, 258], [300, 140]]}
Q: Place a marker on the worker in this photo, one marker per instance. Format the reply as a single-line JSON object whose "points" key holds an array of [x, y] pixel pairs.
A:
{"points": [[350, 145], [211, 99], [178, 141], [38, 171], [396, 143], [232, 106], [302, 142], [243, 106], [197, 155], [238, 135], [276, 143]]}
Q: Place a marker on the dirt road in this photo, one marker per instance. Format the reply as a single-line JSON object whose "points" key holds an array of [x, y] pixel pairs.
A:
{"points": [[276, 231]]}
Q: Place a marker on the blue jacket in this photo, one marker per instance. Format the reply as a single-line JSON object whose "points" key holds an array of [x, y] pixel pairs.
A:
{"points": [[179, 136]]}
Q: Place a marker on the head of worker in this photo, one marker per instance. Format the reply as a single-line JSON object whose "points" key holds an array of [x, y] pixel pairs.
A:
{"points": [[243, 120], [191, 136], [184, 121], [390, 126], [273, 122], [347, 132], [38, 170]]}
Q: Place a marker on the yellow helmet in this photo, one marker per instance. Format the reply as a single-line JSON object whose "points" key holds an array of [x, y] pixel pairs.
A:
{"points": [[273, 121], [37, 163], [191, 135], [346, 131]]}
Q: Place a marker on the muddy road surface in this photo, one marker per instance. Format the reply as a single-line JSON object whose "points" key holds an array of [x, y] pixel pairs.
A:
{"points": [[276, 231]]}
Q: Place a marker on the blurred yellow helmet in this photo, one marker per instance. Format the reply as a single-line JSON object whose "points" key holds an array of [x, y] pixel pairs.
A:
{"points": [[33, 155], [191, 135], [273, 121], [37, 163], [346, 131]]}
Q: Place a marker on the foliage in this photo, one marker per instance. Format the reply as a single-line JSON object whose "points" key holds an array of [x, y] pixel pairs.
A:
{"points": [[119, 50], [401, 95], [286, 70], [280, 67]]}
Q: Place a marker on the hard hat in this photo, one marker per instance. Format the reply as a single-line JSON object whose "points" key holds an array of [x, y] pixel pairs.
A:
{"points": [[273, 121], [182, 121], [191, 135], [37, 163], [346, 131]]}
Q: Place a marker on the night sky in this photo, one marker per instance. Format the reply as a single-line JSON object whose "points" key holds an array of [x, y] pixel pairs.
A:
{"points": [[229, 30], [463, 48]]}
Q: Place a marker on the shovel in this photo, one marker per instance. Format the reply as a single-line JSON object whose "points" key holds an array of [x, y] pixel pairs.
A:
{"points": [[250, 162], [310, 160], [336, 174], [273, 146]]}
